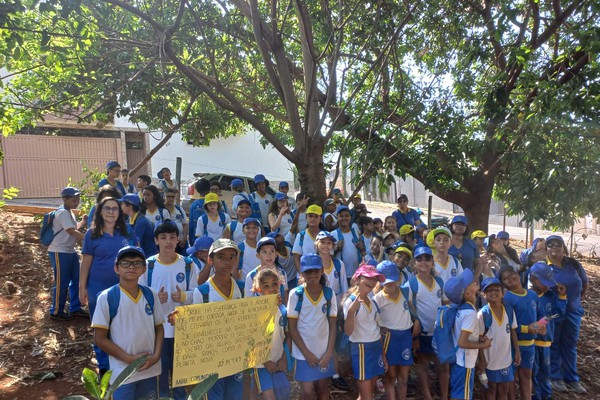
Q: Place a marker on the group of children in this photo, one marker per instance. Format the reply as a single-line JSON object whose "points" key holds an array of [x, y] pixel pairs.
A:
{"points": [[385, 320]]}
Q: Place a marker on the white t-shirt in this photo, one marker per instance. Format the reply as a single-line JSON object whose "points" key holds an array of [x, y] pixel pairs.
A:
{"points": [[394, 313], [334, 279], [249, 281], [429, 299], [453, 268], [313, 323], [286, 262], [278, 337], [349, 253], [285, 224], [132, 329], [156, 217], [214, 294], [63, 242], [214, 226], [333, 218], [466, 320], [264, 202], [366, 322], [236, 199], [171, 276], [237, 235], [302, 221], [248, 259], [499, 355], [308, 243], [178, 216]]}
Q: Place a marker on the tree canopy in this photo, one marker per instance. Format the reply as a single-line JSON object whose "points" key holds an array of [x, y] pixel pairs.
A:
{"points": [[461, 95]]}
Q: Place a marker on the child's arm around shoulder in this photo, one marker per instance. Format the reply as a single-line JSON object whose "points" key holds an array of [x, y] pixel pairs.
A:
{"points": [[468, 326]]}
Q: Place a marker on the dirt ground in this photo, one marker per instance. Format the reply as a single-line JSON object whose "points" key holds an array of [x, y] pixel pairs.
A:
{"points": [[43, 359]]}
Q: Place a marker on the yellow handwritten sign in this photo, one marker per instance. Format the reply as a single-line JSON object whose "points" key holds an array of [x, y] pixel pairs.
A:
{"points": [[224, 337]]}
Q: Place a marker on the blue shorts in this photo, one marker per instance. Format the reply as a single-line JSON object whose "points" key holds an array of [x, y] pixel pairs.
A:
{"points": [[367, 360], [228, 388], [527, 356], [461, 382], [144, 389], [425, 346], [397, 345], [305, 373], [500, 375]]}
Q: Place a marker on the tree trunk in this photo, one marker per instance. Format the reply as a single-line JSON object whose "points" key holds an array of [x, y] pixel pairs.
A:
{"points": [[476, 204], [311, 173]]}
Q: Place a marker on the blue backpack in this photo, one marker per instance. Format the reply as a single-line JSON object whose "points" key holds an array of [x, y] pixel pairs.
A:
{"points": [[47, 235], [253, 206], [188, 270], [204, 290], [487, 316], [327, 293], [114, 298], [442, 342]]}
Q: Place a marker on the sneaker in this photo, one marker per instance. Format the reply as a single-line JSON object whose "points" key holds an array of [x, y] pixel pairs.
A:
{"points": [[576, 387], [340, 384], [558, 385], [61, 317], [81, 313]]}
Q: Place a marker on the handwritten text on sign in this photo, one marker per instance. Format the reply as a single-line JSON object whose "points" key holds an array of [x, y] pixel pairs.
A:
{"points": [[225, 337]]}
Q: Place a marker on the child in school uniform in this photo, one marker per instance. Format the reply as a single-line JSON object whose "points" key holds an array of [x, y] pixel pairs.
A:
{"points": [[350, 247], [267, 254], [336, 279], [285, 259], [462, 290], [312, 315], [427, 299], [199, 255], [496, 323], [396, 327], [402, 256], [524, 303], [304, 242], [269, 281], [214, 221], [235, 229], [550, 304], [168, 274], [248, 256], [132, 328], [446, 265], [362, 316]]}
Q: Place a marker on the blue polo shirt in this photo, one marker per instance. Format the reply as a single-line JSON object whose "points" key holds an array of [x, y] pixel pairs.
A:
{"points": [[119, 186], [104, 250], [466, 254], [569, 276], [409, 218], [144, 230]]}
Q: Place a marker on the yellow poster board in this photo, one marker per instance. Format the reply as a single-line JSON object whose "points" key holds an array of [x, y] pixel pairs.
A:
{"points": [[225, 337]]}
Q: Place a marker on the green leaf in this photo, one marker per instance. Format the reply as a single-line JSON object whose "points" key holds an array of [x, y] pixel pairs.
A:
{"points": [[203, 387], [105, 382], [127, 373], [90, 380]]}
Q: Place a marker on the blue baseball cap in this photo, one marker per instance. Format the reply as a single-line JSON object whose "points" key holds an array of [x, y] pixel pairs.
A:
{"points": [[419, 251], [459, 219], [202, 243], [159, 175], [487, 282], [280, 196], [555, 237], [310, 261], [259, 178], [371, 262], [251, 220], [131, 198], [70, 192], [421, 226], [389, 270], [130, 250], [264, 241], [455, 287], [244, 201], [284, 184], [337, 191], [112, 164], [325, 235], [544, 273], [341, 208], [237, 183], [272, 235], [503, 235]]}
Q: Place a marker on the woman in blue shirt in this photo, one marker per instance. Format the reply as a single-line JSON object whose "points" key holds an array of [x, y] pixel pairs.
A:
{"points": [[563, 353], [464, 248], [101, 243]]}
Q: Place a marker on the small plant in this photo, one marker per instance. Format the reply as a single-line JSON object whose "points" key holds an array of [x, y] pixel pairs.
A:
{"points": [[88, 186], [104, 390], [8, 194]]}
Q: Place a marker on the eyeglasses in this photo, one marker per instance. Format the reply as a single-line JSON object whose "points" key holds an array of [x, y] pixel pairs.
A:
{"points": [[403, 201], [110, 209], [425, 257], [131, 264], [170, 197], [553, 245]]}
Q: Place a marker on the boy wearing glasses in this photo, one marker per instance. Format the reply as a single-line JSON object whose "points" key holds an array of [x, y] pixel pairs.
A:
{"points": [[128, 323], [168, 274]]}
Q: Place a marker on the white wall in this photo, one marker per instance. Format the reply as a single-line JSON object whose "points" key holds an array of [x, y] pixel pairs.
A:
{"points": [[240, 155]]}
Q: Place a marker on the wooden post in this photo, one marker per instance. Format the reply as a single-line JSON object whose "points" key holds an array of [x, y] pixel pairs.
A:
{"points": [[429, 207]]}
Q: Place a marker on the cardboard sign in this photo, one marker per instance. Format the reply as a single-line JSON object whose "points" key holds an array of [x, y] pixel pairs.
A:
{"points": [[225, 337]]}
